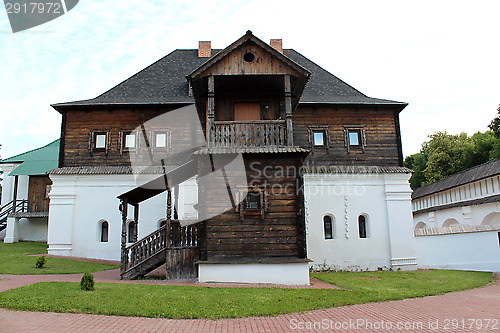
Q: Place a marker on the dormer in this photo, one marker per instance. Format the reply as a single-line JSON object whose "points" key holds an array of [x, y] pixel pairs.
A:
{"points": [[249, 84]]}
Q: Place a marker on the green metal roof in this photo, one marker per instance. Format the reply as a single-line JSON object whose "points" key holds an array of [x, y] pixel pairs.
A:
{"points": [[37, 161]]}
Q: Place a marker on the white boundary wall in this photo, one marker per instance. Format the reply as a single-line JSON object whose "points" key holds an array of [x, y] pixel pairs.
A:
{"points": [[477, 251]]}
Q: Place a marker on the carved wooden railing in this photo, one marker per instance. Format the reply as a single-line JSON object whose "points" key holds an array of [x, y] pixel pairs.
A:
{"points": [[169, 236], [259, 133], [147, 247]]}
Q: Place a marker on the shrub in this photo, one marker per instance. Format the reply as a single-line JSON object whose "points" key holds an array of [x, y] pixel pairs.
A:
{"points": [[87, 282], [40, 262]]}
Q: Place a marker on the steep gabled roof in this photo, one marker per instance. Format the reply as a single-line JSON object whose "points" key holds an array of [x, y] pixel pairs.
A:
{"points": [[164, 82], [478, 172], [37, 161]]}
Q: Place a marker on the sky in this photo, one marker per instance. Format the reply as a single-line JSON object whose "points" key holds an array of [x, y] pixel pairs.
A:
{"points": [[442, 57]]}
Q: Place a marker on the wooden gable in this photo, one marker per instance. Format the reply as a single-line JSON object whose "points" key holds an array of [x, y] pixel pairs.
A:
{"points": [[249, 56]]}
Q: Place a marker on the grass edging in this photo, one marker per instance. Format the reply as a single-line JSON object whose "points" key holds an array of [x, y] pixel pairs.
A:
{"points": [[186, 302]]}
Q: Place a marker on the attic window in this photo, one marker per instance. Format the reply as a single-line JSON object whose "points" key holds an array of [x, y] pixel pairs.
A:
{"points": [[249, 57]]}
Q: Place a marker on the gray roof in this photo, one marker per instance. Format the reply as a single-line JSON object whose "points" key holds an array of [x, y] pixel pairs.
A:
{"points": [[454, 229], [252, 150], [478, 172], [107, 170], [475, 202], [354, 169], [164, 82]]}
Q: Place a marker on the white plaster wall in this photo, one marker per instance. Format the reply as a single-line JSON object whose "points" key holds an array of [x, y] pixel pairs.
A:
{"points": [[470, 215], [33, 230], [77, 205], [289, 274], [479, 251], [346, 196]]}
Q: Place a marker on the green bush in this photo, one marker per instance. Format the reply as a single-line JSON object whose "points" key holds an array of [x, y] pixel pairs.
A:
{"points": [[40, 262], [87, 282]]}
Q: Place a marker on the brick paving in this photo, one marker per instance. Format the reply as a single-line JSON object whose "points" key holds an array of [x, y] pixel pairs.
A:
{"points": [[467, 311]]}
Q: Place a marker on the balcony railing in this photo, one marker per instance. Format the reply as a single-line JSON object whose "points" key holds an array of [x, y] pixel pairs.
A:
{"points": [[258, 133]]}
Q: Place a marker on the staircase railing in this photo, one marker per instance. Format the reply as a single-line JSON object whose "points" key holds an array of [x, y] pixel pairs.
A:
{"points": [[169, 236], [12, 207], [144, 248]]}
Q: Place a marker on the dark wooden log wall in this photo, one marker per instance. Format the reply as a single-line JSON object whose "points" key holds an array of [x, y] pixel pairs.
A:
{"points": [[79, 125], [381, 132], [37, 194], [278, 234]]}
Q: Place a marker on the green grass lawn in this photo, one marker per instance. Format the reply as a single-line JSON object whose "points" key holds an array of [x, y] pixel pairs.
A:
{"points": [[15, 259], [214, 303]]}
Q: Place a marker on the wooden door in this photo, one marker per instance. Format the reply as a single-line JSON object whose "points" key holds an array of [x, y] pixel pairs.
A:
{"points": [[38, 200], [246, 111]]}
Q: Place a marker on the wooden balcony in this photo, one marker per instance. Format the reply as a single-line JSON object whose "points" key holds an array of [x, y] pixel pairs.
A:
{"points": [[258, 133]]}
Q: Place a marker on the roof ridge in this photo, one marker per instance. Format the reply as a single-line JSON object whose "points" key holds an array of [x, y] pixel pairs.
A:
{"points": [[27, 152], [455, 175]]}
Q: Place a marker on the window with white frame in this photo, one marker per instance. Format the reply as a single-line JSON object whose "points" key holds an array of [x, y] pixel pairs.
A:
{"points": [[354, 137]]}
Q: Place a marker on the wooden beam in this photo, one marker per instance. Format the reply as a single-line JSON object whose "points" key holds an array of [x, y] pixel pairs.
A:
{"points": [[124, 253], [288, 110], [16, 185], [210, 107], [136, 221]]}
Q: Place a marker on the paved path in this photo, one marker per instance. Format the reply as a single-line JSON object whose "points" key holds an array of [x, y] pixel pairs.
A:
{"points": [[467, 311]]}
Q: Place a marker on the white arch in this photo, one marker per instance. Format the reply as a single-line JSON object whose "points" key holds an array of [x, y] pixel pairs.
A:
{"points": [[421, 225], [449, 222], [492, 219]]}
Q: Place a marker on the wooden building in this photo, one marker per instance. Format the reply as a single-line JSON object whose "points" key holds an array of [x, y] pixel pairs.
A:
{"points": [[287, 118]]}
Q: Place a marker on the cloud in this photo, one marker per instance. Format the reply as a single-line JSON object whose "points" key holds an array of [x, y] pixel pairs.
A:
{"points": [[440, 57]]}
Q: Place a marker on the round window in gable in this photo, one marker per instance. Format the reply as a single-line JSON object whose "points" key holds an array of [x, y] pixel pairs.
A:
{"points": [[249, 57]]}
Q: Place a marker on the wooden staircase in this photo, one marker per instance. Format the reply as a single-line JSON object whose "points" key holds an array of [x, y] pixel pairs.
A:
{"points": [[11, 207], [171, 244]]}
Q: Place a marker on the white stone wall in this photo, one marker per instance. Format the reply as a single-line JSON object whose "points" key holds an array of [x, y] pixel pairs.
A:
{"points": [[384, 199], [468, 215], [78, 203], [478, 251]]}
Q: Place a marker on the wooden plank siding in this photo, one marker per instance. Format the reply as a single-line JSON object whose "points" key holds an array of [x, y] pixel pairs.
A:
{"points": [[275, 235], [263, 64], [381, 132], [80, 124], [37, 194]]}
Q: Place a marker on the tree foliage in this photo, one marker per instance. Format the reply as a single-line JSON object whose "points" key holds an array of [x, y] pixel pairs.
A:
{"points": [[445, 154]]}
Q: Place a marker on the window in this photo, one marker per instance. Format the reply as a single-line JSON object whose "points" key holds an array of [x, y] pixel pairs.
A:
{"points": [[354, 137], [132, 231], [129, 140], [328, 226], [319, 138], [161, 140], [252, 201], [362, 226], [99, 141], [104, 231]]}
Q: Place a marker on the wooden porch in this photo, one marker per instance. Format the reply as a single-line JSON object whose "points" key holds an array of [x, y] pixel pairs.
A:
{"points": [[256, 133]]}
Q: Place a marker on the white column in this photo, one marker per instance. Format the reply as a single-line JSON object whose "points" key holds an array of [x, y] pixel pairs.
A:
{"points": [[400, 221], [7, 183], [12, 231], [62, 199]]}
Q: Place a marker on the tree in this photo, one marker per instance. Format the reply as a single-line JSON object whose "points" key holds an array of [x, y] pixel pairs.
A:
{"points": [[417, 162], [495, 124]]}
